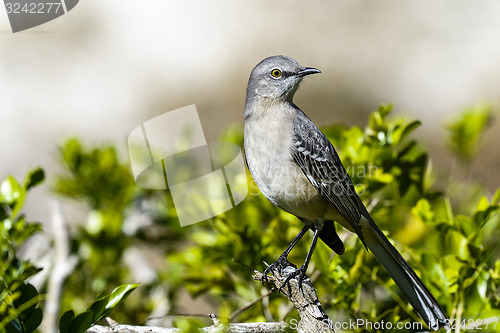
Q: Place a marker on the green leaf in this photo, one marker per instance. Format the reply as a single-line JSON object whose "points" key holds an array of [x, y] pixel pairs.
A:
{"points": [[466, 224], [466, 131], [115, 298], [3, 212], [376, 123], [81, 323], [457, 244], [10, 190], [14, 326], [29, 295], [482, 285], [496, 198], [99, 308], [355, 270], [423, 211], [71, 153], [407, 130], [34, 320], [451, 267], [323, 254], [189, 325], [34, 178], [482, 204], [102, 294], [65, 320], [120, 293]]}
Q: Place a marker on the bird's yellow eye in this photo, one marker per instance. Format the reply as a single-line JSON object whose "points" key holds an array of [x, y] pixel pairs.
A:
{"points": [[276, 73]]}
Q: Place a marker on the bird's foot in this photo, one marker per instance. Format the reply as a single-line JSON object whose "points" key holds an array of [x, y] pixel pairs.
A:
{"points": [[299, 274], [278, 265], [286, 268]]}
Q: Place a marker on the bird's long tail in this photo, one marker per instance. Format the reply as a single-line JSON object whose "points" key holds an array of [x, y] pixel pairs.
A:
{"points": [[410, 284]]}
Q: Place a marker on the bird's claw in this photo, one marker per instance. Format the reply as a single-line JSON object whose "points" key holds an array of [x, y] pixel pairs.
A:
{"points": [[279, 265], [282, 265], [299, 274]]}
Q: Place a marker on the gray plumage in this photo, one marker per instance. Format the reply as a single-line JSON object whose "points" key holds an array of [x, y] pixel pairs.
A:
{"points": [[298, 170]]}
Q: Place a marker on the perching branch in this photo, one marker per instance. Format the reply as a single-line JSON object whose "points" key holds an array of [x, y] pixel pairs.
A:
{"points": [[216, 327], [312, 317]]}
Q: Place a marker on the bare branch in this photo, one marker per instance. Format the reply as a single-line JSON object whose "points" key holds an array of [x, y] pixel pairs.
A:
{"points": [[312, 317], [249, 305], [217, 327], [63, 264]]}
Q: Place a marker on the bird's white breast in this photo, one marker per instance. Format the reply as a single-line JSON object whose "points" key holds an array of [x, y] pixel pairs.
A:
{"points": [[267, 149]]}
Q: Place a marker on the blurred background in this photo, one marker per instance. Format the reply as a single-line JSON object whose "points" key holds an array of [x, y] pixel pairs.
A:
{"points": [[108, 66]]}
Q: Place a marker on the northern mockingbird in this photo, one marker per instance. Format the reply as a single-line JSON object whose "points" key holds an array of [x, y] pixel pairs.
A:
{"points": [[299, 171]]}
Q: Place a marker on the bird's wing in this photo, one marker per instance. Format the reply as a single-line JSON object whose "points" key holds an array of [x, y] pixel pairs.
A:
{"points": [[319, 161]]}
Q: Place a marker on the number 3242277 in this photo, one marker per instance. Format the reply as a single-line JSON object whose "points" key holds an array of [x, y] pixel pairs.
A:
{"points": [[471, 324], [33, 8]]}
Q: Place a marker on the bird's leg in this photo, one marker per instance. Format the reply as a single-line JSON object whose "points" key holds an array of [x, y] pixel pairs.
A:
{"points": [[282, 260], [301, 272]]}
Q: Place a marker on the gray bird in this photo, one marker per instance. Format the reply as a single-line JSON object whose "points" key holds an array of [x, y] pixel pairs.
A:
{"points": [[299, 171]]}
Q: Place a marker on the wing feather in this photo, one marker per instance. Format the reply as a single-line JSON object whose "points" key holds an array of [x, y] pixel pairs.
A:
{"points": [[319, 162]]}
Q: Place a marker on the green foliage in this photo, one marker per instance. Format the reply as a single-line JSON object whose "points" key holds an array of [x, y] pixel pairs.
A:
{"points": [[100, 308], [467, 130], [19, 301], [452, 246], [19, 307], [455, 254], [96, 177]]}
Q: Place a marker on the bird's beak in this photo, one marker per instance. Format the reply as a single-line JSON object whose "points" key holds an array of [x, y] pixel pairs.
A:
{"points": [[307, 71]]}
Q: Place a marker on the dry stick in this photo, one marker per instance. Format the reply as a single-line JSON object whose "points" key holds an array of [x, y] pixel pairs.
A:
{"points": [[372, 204], [290, 308], [243, 264], [265, 307], [249, 305], [264, 298], [62, 266], [314, 276], [114, 327], [305, 300], [312, 317], [202, 315]]}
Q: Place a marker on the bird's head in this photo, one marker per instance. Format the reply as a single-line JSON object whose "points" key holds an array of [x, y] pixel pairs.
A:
{"points": [[277, 77]]}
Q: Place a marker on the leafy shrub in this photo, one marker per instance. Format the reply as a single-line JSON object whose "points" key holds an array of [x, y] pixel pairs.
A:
{"points": [[19, 301], [454, 252], [446, 227]]}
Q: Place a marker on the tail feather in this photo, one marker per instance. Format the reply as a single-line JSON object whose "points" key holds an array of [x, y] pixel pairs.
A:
{"points": [[329, 236], [405, 277]]}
